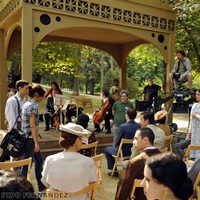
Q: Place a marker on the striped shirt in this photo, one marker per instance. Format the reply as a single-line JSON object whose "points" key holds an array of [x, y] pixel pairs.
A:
{"points": [[29, 108]]}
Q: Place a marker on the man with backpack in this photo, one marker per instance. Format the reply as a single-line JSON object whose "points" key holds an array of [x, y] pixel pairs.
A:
{"points": [[182, 70], [13, 110]]}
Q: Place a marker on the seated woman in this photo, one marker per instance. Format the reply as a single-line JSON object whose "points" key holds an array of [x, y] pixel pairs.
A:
{"points": [[50, 116], [69, 170], [166, 178], [83, 120]]}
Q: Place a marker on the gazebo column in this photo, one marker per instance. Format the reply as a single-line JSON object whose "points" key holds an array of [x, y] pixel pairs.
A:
{"points": [[170, 65], [123, 75], [3, 79], [27, 44]]}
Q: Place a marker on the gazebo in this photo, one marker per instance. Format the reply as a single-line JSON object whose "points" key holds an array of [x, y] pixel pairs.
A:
{"points": [[115, 26]]}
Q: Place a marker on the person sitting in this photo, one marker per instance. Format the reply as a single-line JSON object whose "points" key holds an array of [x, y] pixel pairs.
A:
{"points": [[166, 178], [69, 170], [147, 120], [71, 110], [15, 187], [160, 121], [105, 113], [127, 131], [143, 142], [55, 89], [182, 70], [83, 120], [50, 115]]}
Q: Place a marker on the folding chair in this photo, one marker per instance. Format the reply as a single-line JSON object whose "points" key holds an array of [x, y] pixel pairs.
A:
{"points": [[195, 186], [120, 153], [186, 157], [19, 163], [198, 192], [90, 190], [92, 145], [136, 184], [98, 161]]}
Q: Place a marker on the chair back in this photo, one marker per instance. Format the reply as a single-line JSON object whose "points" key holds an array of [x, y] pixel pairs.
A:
{"points": [[187, 152], [136, 184], [195, 186], [54, 194], [120, 153], [19, 163], [198, 192], [98, 161], [92, 146]]}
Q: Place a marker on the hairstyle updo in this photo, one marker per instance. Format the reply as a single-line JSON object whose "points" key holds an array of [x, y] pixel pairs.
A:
{"points": [[67, 140], [171, 171], [37, 89]]}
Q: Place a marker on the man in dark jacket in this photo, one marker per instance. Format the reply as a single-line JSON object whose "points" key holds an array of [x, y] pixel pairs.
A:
{"points": [[126, 130]]}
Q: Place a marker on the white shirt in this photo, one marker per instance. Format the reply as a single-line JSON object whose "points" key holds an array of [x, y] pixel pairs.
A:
{"points": [[159, 140], [69, 172], [11, 110]]}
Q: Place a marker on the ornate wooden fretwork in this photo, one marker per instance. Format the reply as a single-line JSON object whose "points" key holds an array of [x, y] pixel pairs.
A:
{"points": [[100, 11], [10, 6]]}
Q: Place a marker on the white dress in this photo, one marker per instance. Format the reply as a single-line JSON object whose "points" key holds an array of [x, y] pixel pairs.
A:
{"points": [[69, 172], [195, 129]]}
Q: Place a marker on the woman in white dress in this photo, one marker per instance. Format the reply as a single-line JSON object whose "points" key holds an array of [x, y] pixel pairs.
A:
{"points": [[194, 133], [69, 171]]}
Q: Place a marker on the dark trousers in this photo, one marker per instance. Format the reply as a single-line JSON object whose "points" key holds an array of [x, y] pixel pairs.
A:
{"points": [[37, 157], [107, 122], [109, 151], [180, 146]]}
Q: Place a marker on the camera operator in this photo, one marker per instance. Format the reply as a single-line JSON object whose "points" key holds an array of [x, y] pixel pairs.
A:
{"points": [[182, 70], [150, 92]]}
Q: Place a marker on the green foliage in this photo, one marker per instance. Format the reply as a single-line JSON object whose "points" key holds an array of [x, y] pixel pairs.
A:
{"points": [[187, 32], [144, 61]]}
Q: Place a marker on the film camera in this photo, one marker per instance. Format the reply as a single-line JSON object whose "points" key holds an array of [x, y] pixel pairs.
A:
{"points": [[180, 105]]}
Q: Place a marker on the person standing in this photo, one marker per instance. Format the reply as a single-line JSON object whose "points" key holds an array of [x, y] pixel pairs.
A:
{"points": [[115, 90], [30, 123], [182, 70], [119, 110], [12, 110], [195, 125]]}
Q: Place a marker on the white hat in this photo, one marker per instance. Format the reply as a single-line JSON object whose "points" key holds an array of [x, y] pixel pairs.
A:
{"points": [[75, 129]]}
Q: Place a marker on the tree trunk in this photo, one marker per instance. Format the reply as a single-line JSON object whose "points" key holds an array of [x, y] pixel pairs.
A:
{"points": [[92, 86]]}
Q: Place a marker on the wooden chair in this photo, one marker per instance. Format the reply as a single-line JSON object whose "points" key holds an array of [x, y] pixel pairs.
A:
{"points": [[136, 184], [19, 163], [90, 190], [120, 153], [195, 185], [187, 152], [98, 161], [198, 192], [92, 145]]}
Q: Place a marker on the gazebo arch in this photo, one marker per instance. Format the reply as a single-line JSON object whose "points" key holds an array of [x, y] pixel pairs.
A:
{"points": [[114, 26]]}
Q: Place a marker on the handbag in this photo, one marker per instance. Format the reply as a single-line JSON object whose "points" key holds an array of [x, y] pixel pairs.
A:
{"points": [[15, 139]]}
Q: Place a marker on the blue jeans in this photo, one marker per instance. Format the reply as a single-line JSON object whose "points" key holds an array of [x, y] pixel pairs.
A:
{"points": [[37, 157], [180, 146], [109, 151]]}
